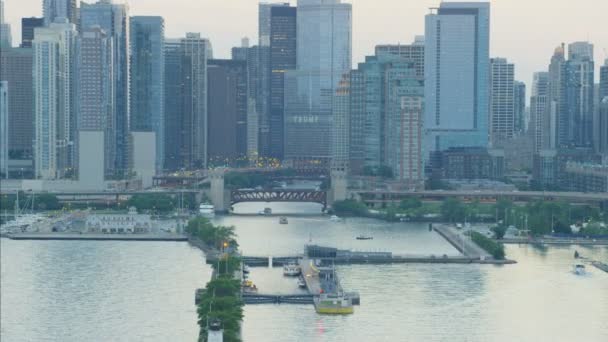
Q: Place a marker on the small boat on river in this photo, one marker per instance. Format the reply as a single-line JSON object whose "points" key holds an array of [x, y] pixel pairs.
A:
{"points": [[283, 220], [291, 269], [579, 269], [365, 237]]}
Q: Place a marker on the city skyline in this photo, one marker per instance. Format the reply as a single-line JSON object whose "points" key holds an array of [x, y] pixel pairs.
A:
{"points": [[209, 19]]}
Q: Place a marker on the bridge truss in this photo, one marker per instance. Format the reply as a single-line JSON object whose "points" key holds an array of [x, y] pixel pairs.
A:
{"points": [[237, 196]]}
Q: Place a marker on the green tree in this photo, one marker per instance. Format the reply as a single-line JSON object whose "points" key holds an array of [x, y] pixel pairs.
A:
{"points": [[499, 231], [453, 210], [349, 207], [152, 201], [410, 203]]}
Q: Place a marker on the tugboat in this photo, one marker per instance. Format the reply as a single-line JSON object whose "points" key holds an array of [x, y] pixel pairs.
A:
{"points": [[291, 269], [249, 287], [283, 220], [579, 269], [267, 211]]}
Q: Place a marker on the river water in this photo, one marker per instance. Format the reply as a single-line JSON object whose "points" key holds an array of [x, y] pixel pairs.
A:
{"points": [[141, 291]]}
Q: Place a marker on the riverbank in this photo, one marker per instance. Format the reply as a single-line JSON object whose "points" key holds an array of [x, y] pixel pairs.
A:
{"points": [[556, 241]]}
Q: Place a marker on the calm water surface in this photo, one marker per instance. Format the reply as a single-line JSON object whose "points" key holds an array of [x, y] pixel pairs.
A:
{"points": [[140, 291], [99, 290]]}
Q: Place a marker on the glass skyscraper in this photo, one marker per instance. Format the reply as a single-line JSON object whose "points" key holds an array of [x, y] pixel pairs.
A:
{"points": [[113, 19], [147, 39], [53, 74], [457, 76], [282, 58], [95, 98], [323, 57]]}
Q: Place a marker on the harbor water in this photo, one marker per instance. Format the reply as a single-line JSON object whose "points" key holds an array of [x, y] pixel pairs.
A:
{"points": [[143, 291]]}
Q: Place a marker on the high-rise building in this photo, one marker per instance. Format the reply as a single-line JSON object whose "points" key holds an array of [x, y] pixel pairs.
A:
{"points": [[195, 52], [578, 111], [173, 102], [53, 73], [502, 105], [6, 39], [404, 130], [539, 100], [27, 30], [323, 56], [555, 121], [604, 80], [16, 66], [53, 9], [282, 58], [383, 92], [95, 98], [147, 40], [519, 107], [113, 19], [457, 76], [412, 52], [341, 123], [4, 129], [603, 129], [227, 111]]}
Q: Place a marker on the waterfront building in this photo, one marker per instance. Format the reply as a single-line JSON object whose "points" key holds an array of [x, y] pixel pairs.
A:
{"points": [[147, 109], [227, 113], [16, 66], [194, 51], [282, 58], [27, 30], [457, 76], [53, 9], [113, 19], [54, 117], [323, 56], [131, 222], [4, 129], [519, 108], [95, 98], [502, 105]]}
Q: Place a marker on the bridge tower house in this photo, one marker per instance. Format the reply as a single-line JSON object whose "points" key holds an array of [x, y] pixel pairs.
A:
{"points": [[218, 194], [339, 184]]}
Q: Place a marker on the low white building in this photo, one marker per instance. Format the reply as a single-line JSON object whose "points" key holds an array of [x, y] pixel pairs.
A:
{"points": [[119, 223]]}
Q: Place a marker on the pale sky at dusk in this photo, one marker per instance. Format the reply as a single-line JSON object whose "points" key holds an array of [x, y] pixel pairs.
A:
{"points": [[524, 31]]}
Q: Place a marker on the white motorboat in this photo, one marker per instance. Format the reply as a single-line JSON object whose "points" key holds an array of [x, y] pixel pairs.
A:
{"points": [[207, 210], [334, 218], [301, 282], [291, 269], [579, 269]]}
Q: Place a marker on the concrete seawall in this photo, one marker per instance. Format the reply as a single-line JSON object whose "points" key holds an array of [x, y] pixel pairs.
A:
{"points": [[96, 237]]}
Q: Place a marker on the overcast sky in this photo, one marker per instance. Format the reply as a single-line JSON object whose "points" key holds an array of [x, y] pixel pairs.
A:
{"points": [[524, 31]]}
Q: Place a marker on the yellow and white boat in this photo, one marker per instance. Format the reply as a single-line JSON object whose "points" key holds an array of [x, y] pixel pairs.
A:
{"points": [[333, 304]]}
